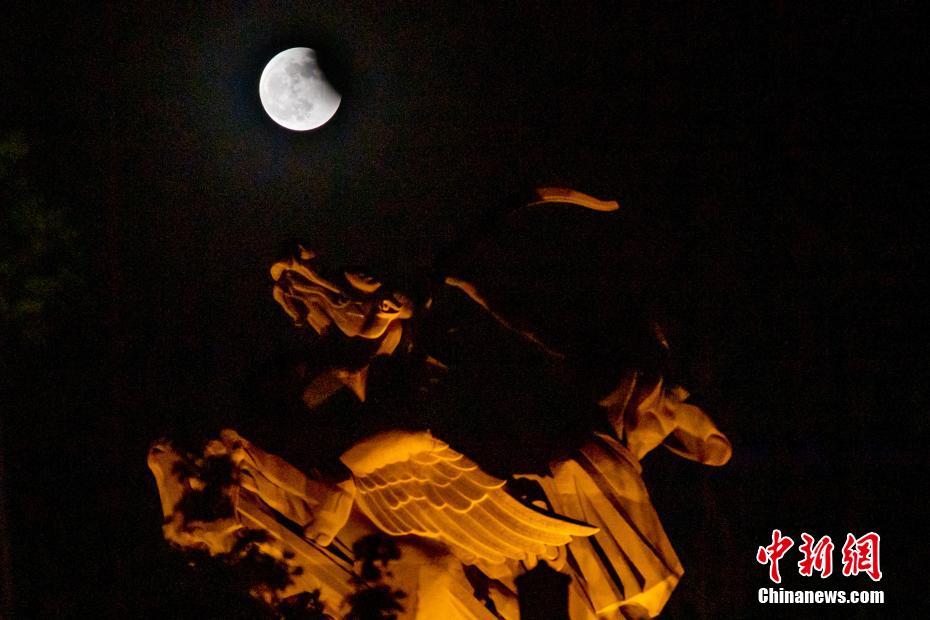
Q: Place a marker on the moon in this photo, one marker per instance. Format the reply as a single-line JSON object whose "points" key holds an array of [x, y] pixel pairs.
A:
{"points": [[294, 91]]}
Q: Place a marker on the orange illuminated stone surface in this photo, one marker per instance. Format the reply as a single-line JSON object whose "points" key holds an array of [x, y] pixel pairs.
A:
{"points": [[460, 542]]}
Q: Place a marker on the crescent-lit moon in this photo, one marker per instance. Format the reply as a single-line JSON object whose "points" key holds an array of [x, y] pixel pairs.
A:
{"points": [[294, 91]]}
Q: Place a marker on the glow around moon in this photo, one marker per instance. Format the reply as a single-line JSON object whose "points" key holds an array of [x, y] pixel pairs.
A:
{"points": [[294, 91]]}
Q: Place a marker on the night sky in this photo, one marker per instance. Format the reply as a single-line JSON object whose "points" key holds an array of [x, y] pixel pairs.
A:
{"points": [[765, 159]]}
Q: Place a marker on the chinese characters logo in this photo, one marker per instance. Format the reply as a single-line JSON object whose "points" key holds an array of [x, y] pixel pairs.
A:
{"points": [[858, 555]]}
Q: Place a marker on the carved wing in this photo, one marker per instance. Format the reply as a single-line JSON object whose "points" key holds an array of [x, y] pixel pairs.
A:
{"points": [[412, 483]]}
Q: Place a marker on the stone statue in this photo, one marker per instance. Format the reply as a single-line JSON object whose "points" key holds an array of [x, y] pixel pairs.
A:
{"points": [[464, 535]]}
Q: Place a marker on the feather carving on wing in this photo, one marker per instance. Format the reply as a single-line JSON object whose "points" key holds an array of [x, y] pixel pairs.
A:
{"points": [[414, 484]]}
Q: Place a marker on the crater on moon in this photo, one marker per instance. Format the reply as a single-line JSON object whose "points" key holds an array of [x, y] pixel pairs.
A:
{"points": [[294, 91]]}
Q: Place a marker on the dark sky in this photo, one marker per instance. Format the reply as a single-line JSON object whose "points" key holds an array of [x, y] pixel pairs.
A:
{"points": [[764, 157]]}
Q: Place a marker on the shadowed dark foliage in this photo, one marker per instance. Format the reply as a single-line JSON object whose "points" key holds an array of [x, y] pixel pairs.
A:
{"points": [[373, 599], [211, 503]]}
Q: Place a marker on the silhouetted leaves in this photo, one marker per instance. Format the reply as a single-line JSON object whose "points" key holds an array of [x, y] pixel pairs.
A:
{"points": [[261, 573], [373, 599], [218, 475], [246, 568], [374, 550], [377, 602], [303, 606], [209, 482]]}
